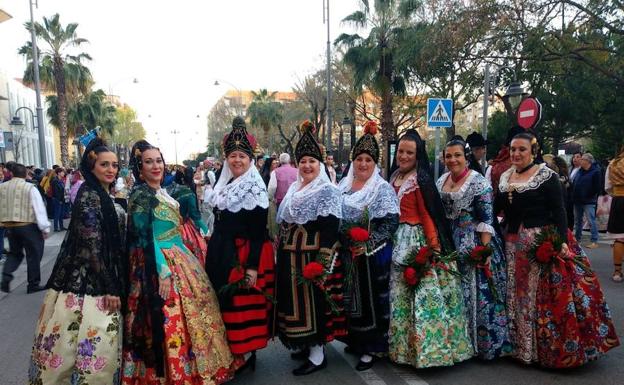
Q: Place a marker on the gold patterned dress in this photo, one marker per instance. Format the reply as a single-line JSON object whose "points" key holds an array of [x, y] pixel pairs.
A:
{"points": [[181, 340]]}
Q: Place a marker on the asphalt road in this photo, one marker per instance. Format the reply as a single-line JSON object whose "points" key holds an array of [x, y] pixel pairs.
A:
{"points": [[19, 311]]}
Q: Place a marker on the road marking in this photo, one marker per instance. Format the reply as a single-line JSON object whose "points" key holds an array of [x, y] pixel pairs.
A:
{"points": [[372, 378]]}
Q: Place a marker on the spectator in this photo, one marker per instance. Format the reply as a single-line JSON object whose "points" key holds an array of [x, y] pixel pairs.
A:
{"points": [[28, 226], [281, 179], [575, 165], [269, 165], [564, 177], [331, 170], [585, 196], [58, 198], [76, 181], [259, 162], [478, 145]]}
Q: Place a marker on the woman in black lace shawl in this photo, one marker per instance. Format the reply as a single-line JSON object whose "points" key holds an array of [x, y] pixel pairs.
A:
{"points": [[77, 335]]}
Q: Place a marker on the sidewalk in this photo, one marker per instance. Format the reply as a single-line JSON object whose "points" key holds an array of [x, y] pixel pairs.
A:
{"points": [[50, 251]]}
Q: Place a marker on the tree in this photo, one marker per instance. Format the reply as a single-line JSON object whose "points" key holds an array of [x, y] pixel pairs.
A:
{"points": [[265, 112], [126, 131], [59, 69], [373, 58]]}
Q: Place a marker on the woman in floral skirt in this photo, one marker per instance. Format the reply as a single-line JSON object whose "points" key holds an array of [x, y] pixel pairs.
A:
{"points": [[559, 318], [428, 324], [468, 203], [78, 334], [173, 331]]}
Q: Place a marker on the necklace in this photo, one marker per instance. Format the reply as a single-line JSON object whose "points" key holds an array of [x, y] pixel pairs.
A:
{"points": [[525, 169], [454, 180]]}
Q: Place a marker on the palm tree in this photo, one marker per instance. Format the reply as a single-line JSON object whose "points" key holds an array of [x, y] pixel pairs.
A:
{"points": [[60, 71], [373, 58], [264, 112]]}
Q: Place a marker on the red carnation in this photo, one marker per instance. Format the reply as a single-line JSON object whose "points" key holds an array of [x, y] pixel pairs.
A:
{"points": [[410, 275], [545, 252], [423, 256], [358, 234], [240, 242], [480, 253], [236, 274], [312, 271]]}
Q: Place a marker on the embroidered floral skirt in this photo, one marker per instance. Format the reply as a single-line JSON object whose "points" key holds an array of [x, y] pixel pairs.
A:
{"points": [[559, 317], [484, 301], [194, 241], [77, 341], [428, 324], [196, 350]]}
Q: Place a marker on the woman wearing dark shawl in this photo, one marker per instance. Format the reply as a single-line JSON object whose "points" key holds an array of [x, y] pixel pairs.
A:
{"points": [[78, 332], [428, 324], [173, 331]]}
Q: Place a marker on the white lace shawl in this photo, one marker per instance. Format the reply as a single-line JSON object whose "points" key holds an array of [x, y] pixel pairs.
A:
{"points": [[376, 195], [248, 191], [409, 185], [319, 198], [542, 175], [461, 200]]}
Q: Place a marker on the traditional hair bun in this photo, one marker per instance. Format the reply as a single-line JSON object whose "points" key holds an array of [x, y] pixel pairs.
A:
{"points": [[370, 127], [307, 126]]}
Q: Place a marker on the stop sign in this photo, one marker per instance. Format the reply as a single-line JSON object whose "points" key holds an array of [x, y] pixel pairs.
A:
{"points": [[529, 113]]}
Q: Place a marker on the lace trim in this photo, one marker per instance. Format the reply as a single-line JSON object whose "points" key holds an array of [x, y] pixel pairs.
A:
{"points": [[409, 185], [245, 192], [457, 201], [380, 201], [542, 175], [301, 207]]}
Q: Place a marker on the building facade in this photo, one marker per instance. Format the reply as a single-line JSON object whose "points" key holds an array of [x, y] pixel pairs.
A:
{"points": [[22, 142]]}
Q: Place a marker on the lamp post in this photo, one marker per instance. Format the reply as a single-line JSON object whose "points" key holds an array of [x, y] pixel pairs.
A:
{"points": [[40, 127], [17, 122], [239, 110], [330, 122]]}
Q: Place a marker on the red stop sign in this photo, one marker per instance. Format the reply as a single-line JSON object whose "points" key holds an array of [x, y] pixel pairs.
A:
{"points": [[529, 113]]}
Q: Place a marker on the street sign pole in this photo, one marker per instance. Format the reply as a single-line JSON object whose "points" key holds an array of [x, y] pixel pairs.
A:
{"points": [[437, 151]]}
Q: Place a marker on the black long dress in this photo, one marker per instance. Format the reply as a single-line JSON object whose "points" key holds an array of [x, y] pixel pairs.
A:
{"points": [[305, 317], [240, 241]]}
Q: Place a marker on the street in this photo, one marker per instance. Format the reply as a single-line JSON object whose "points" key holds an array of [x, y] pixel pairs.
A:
{"points": [[18, 313]]}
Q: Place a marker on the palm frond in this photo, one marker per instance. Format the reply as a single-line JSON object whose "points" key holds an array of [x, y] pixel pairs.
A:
{"points": [[348, 40], [357, 19]]}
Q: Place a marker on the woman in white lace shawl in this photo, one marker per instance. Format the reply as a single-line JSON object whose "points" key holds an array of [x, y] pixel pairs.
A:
{"points": [[368, 203], [309, 217]]}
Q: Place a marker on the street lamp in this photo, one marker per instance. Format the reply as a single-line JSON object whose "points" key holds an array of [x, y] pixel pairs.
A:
{"points": [[16, 121], [348, 127], [514, 95], [240, 94]]}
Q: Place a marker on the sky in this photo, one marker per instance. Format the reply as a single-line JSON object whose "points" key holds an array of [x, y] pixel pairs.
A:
{"points": [[177, 49]]}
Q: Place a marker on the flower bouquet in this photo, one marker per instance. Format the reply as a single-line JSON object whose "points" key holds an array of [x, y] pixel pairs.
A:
{"points": [[314, 273], [546, 249], [420, 263], [479, 257]]}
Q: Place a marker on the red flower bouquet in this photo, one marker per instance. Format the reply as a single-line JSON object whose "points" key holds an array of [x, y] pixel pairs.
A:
{"points": [[547, 247], [315, 273], [479, 258], [358, 234], [421, 262]]}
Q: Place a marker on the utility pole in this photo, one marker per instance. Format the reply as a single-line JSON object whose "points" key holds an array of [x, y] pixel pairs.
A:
{"points": [[328, 143], [486, 100], [40, 127]]}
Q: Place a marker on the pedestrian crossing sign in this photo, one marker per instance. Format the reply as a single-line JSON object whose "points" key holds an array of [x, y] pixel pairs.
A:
{"points": [[439, 112]]}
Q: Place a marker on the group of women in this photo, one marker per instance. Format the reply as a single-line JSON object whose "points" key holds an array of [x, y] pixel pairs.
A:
{"points": [[154, 304]]}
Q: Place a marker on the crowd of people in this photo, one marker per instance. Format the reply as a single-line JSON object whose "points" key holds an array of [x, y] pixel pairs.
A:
{"points": [[480, 263]]}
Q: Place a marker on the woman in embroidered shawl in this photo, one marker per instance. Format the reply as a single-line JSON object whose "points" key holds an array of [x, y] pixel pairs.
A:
{"points": [[240, 259], [309, 217], [428, 324], [78, 332], [559, 318], [194, 230], [173, 331], [468, 203], [370, 203]]}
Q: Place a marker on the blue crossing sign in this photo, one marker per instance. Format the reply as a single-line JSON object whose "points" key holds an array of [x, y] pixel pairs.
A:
{"points": [[439, 112]]}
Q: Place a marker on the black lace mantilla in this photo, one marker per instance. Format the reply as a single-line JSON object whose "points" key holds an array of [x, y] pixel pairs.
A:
{"points": [[85, 264]]}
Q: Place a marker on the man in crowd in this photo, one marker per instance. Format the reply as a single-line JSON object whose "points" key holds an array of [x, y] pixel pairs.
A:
{"points": [[478, 145], [281, 179], [585, 192], [329, 162], [23, 215]]}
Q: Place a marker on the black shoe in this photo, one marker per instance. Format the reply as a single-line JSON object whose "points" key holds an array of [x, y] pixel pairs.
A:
{"points": [[249, 363], [35, 289], [361, 365], [300, 355], [308, 368], [4, 286]]}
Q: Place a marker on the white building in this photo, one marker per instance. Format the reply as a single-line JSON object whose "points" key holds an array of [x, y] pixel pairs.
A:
{"points": [[22, 143]]}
